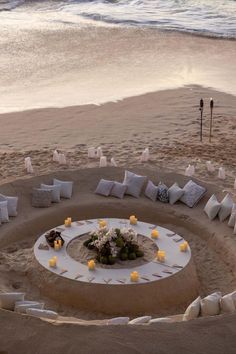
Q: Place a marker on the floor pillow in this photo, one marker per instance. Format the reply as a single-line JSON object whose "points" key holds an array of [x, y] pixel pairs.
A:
{"points": [[41, 198], [12, 203], [226, 207], [175, 193], [118, 190], [151, 191], [193, 192], [56, 191], [66, 188], [212, 207], [162, 193], [134, 183], [104, 187]]}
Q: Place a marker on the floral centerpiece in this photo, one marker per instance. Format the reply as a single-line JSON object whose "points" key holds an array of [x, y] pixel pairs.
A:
{"points": [[112, 244]]}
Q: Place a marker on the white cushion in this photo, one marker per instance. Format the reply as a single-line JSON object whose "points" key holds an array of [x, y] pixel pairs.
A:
{"points": [[11, 204], [134, 183], [22, 306], [104, 187], [151, 191], [210, 305], [212, 207], [56, 191], [232, 219], [193, 192], [193, 310], [118, 321], [140, 320], [226, 207], [233, 295], [175, 193], [4, 211], [227, 304], [161, 320], [66, 188], [118, 190], [50, 315], [7, 300]]}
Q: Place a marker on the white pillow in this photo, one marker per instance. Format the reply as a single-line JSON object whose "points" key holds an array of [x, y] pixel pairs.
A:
{"points": [[118, 190], [118, 321], [175, 193], [227, 304], [232, 219], [210, 305], [151, 191], [11, 204], [7, 300], [134, 183], [193, 192], [226, 207], [233, 295], [104, 187], [4, 212], [212, 207], [66, 188], [193, 310], [140, 320], [22, 306], [161, 319], [50, 315], [56, 191]]}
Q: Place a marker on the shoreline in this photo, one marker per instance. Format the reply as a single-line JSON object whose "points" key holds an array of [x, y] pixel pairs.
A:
{"points": [[38, 74]]}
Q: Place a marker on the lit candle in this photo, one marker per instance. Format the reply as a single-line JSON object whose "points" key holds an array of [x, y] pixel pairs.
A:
{"points": [[183, 246], [52, 263], [68, 222], [134, 276], [102, 223], [59, 242], [56, 246], [161, 256], [155, 234], [133, 220], [91, 264]]}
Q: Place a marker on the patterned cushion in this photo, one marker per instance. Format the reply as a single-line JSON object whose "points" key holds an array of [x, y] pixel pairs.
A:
{"points": [[212, 207], [4, 212], [162, 193], [151, 191], [226, 207], [11, 204], [134, 183], [66, 188], [118, 190], [41, 198], [56, 191], [175, 193], [193, 192], [104, 187]]}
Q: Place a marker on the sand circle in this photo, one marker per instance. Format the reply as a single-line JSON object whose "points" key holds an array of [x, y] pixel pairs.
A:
{"points": [[82, 254]]}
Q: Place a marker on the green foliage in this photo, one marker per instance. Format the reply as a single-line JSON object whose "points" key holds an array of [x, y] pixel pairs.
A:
{"points": [[132, 256]]}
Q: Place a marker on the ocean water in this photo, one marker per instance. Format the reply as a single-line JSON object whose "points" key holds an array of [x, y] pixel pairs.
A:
{"points": [[215, 18]]}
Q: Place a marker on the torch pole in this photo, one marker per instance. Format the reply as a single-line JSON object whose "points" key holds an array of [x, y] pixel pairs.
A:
{"points": [[211, 121], [201, 110]]}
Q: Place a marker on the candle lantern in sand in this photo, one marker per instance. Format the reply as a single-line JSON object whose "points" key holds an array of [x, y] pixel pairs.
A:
{"points": [[91, 264], [133, 220], [161, 256], [155, 234], [91, 153], [134, 276], [57, 245], [221, 173], [183, 246], [103, 161]]}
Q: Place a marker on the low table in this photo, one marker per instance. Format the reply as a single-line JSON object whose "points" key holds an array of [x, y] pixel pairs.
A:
{"points": [[160, 284]]}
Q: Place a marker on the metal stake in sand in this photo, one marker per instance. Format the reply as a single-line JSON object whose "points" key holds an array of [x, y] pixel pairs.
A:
{"points": [[201, 110], [211, 107]]}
